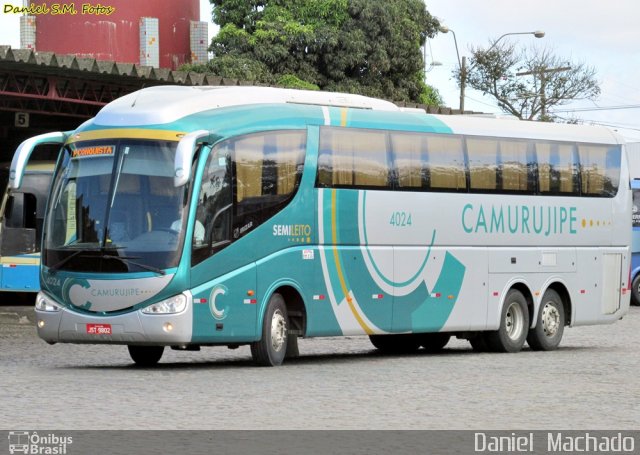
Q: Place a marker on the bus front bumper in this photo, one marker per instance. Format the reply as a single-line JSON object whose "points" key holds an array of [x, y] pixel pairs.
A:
{"points": [[135, 328]]}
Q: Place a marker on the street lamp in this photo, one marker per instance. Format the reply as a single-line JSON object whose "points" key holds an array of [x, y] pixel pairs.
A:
{"points": [[433, 63], [462, 62]]}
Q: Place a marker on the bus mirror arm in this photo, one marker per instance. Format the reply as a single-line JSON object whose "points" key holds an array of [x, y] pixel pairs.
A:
{"points": [[184, 155], [24, 150]]}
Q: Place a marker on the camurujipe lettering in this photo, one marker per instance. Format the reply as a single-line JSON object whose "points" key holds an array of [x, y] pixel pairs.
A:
{"points": [[124, 292], [519, 219]]}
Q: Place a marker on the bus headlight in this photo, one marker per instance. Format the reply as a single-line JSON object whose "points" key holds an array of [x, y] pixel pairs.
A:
{"points": [[175, 304], [43, 303]]}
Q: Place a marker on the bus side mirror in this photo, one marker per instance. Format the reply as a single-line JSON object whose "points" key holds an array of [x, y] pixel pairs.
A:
{"points": [[184, 155], [24, 150]]}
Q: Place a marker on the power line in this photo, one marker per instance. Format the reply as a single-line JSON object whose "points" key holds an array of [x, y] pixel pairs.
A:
{"points": [[601, 108]]}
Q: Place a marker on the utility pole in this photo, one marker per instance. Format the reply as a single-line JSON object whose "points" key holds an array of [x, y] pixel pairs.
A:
{"points": [[463, 82], [541, 72]]}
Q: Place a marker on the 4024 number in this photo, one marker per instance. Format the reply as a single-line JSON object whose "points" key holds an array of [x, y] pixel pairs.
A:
{"points": [[400, 219]]}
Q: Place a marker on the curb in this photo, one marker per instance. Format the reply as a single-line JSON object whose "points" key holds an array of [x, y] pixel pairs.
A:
{"points": [[17, 315]]}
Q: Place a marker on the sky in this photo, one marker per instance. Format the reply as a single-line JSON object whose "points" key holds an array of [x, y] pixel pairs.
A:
{"points": [[601, 34]]}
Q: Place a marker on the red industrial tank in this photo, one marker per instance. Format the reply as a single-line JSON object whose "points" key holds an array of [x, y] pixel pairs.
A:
{"points": [[86, 29]]}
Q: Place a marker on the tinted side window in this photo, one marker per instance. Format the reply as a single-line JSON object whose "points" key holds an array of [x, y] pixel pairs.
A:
{"points": [[212, 230], [483, 164], [410, 158], [268, 167], [353, 158], [429, 161], [600, 170], [516, 166], [246, 181], [557, 169]]}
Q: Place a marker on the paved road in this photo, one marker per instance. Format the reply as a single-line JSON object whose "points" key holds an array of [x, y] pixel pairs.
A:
{"points": [[340, 383]]}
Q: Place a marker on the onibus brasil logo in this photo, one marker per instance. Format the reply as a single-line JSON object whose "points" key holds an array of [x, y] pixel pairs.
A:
{"points": [[33, 443]]}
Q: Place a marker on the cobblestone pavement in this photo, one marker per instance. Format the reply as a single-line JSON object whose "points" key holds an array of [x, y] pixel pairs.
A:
{"points": [[591, 382]]}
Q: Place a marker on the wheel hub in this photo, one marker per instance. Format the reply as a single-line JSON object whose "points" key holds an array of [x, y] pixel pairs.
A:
{"points": [[278, 330], [514, 321], [550, 320]]}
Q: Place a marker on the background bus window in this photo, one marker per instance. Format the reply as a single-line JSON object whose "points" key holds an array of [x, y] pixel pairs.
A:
{"points": [[483, 168], [19, 235], [515, 171], [600, 170], [353, 158], [557, 169], [635, 217]]}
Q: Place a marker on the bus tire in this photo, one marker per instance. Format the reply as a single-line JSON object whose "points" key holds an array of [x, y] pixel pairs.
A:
{"points": [[434, 342], [549, 328], [146, 356], [271, 349], [402, 343], [514, 325], [635, 291]]}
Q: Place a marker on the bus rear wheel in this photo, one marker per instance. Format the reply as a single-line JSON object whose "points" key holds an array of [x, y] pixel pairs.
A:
{"points": [[514, 325], [271, 349], [146, 356], [549, 328], [402, 343]]}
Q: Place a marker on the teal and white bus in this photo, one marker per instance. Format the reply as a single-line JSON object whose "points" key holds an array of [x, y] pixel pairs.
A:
{"points": [[198, 216]]}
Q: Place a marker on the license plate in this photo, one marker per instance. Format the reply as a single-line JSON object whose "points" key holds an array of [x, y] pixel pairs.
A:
{"points": [[99, 329]]}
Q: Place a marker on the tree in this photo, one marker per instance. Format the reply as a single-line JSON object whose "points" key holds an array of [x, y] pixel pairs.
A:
{"points": [[356, 46], [528, 83]]}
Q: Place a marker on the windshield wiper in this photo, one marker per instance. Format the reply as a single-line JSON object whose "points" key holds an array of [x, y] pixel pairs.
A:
{"points": [[56, 266], [128, 260]]}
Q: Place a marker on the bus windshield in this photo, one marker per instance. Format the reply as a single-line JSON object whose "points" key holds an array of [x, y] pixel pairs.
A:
{"points": [[114, 208]]}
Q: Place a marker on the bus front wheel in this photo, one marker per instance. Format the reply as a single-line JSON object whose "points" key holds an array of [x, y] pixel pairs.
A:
{"points": [[549, 328], [145, 356], [514, 325], [271, 349]]}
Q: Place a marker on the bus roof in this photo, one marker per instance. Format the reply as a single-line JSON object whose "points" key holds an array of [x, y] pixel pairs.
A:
{"points": [[166, 104], [515, 128]]}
